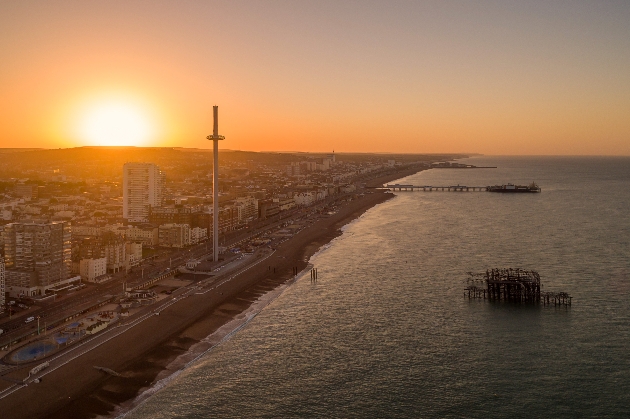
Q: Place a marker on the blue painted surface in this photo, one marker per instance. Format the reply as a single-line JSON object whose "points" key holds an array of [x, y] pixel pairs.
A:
{"points": [[35, 350]]}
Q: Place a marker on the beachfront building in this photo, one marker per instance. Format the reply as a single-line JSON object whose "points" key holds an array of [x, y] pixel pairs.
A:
{"points": [[285, 204], [110, 246], [228, 218], [143, 186], [267, 208], [172, 215], [247, 209], [37, 256], [146, 234], [304, 198], [198, 234], [92, 269], [321, 194], [133, 254], [174, 235], [91, 248], [115, 251]]}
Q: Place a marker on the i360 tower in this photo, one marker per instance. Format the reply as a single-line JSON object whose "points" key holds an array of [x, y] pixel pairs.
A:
{"points": [[215, 137]]}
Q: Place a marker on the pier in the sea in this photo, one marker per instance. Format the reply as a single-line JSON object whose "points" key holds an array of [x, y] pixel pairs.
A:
{"points": [[508, 188], [456, 188], [512, 285]]}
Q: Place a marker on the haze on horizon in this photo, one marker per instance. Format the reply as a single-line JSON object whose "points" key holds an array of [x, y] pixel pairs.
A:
{"points": [[491, 77]]}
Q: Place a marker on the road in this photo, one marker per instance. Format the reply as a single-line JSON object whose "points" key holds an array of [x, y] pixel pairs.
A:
{"points": [[68, 304], [89, 343]]}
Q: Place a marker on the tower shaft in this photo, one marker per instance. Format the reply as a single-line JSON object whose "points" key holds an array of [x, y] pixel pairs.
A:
{"points": [[215, 137], [215, 187]]}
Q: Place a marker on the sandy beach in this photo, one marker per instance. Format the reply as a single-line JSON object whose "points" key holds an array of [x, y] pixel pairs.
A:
{"points": [[77, 390]]}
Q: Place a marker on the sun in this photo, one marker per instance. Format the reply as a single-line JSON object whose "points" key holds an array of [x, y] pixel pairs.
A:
{"points": [[115, 123]]}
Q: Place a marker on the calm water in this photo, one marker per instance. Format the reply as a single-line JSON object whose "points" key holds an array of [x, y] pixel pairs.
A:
{"points": [[386, 331]]}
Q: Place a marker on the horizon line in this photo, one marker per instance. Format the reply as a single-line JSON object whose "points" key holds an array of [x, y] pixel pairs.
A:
{"points": [[470, 154]]}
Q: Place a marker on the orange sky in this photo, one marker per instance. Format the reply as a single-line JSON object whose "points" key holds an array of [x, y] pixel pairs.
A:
{"points": [[492, 77]]}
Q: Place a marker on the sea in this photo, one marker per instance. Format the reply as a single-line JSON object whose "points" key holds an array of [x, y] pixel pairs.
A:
{"points": [[387, 332]]}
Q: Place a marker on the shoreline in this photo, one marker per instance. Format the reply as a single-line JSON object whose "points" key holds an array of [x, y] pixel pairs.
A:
{"points": [[144, 356], [205, 346]]}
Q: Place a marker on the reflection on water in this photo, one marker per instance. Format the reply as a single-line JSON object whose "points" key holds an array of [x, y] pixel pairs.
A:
{"points": [[386, 331]]}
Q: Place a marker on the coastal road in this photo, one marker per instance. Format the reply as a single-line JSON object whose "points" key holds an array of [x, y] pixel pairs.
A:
{"points": [[92, 342]]}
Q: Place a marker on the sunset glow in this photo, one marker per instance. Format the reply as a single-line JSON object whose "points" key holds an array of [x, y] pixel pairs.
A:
{"points": [[114, 124], [411, 77]]}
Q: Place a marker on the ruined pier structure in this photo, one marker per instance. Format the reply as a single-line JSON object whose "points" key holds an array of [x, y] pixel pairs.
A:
{"points": [[512, 285]]}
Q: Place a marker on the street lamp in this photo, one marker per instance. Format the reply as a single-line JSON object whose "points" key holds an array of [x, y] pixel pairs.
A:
{"points": [[38, 324]]}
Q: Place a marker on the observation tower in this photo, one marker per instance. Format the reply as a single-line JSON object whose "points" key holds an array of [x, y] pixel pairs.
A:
{"points": [[215, 137]]}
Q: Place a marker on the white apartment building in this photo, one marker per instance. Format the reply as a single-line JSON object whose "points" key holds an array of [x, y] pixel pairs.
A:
{"points": [[143, 186], [247, 208], [91, 269]]}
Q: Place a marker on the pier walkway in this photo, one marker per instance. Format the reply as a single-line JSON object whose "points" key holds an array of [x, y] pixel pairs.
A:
{"points": [[457, 188]]}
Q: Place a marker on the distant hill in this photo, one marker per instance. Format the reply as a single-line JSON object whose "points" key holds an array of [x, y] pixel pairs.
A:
{"points": [[91, 162], [17, 150]]}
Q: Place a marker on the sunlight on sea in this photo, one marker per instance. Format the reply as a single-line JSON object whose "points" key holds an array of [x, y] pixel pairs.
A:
{"points": [[387, 332]]}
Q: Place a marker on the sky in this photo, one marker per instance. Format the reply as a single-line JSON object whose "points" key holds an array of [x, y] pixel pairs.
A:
{"points": [[492, 77]]}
